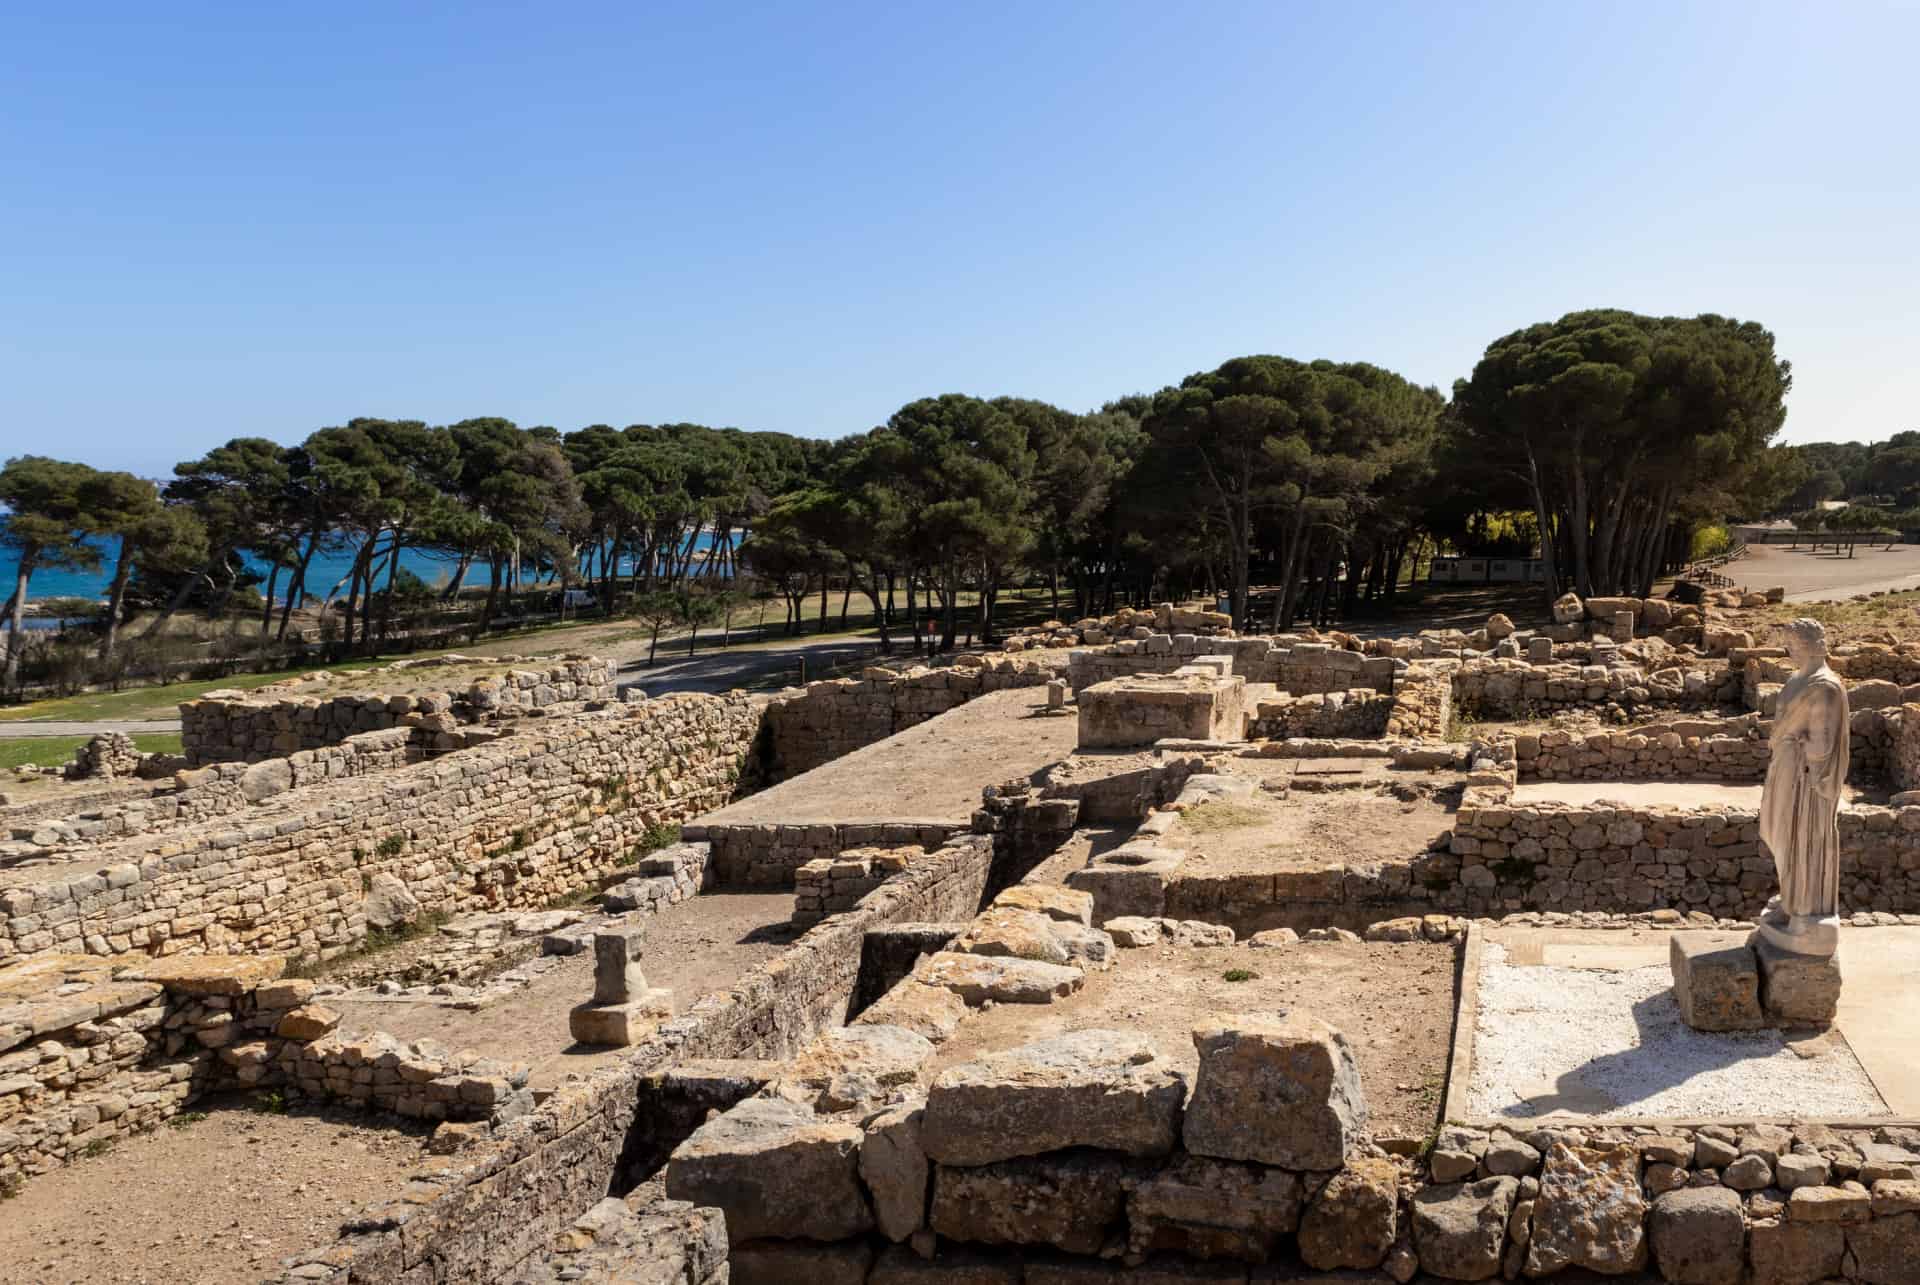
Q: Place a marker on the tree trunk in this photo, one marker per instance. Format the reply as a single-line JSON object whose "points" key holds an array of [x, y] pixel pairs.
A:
{"points": [[16, 613], [122, 572]]}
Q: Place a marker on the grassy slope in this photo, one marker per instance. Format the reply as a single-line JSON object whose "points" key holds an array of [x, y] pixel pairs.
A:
{"points": [[52, 751]]}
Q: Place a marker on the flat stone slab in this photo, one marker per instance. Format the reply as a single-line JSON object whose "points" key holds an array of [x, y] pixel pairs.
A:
{"points": [[775, 1170], [979, 978], [210, 974], [1107, 1089]]}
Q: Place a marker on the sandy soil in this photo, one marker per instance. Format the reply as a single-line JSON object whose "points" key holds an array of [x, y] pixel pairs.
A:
{"points": [[1308, 831], [213, 1201], [932, 771], [1395, 1003], [695, 947]]}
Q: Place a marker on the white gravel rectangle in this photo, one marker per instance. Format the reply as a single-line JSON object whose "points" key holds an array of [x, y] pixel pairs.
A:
{"points": [[1599, 1043]]}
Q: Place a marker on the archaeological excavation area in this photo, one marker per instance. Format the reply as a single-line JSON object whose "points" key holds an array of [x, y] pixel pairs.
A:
{"points": [[1142, 951]]}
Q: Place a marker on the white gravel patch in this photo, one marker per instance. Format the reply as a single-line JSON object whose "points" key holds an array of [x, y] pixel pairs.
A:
{"points": [[1600, 1043]]}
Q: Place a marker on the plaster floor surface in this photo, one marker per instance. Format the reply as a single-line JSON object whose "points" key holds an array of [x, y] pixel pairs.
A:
{"points": [[1581, 1023]]}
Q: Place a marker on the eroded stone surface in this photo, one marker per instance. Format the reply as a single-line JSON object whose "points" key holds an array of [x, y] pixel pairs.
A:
{"points": [[775, 1170], [1213, 1209], [1351, 1222], [894, 1166], [1590, 1212], [853, 1067], [1071, 1201], [1106, 1089], [1282, 1089], [977, 978], [1460, 1229], [1699, 1236]]}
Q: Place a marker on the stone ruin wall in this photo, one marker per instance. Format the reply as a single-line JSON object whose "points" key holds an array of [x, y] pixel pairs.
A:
{"points": [[766, 855], [232, 727], [88, 1058], [513, 823], [1295, 665], [218, 789], [1360, 712], [514, 1193], [838, 716]]}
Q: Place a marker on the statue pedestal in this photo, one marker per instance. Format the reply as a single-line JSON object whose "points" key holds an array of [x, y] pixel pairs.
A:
{"points": [[1796, 989]]}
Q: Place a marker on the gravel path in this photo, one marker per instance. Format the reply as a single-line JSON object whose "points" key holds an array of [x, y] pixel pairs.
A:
{"points": [[1606, 1043]]}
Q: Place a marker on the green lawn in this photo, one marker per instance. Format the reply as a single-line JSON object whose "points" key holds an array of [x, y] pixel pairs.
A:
{"points": [[52, 751], [136, 702]]}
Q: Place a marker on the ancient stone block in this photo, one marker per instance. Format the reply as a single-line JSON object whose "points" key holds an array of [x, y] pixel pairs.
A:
{"points": [[1351, 1222], [774, 1169], [1797, 989], [1213, 1209], [1071, 1201], [783, 1262], [1459, 1229], [616, 967], [1133, 931], [1050, 900], [1716, 985], [1699, 1236], [1589, 1212], [853, 1067], [1106, 1089], [1794, 1253], [620, 1025], [1003, 931], [978, 978], [210, 974], [1279, 1088], [894, 1166], [1886, 1251], [932, 1012], [308, 1022]]}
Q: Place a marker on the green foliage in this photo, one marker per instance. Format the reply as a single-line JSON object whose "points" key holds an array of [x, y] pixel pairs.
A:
{"points": [[1239, 975], [186, 1119], [391, 846], [11, 1185], [268, 1102], [97, 1148], [659, 835], [1710, 540]]}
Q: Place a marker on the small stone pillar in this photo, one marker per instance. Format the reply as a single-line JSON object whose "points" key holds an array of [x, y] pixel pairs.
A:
{"points": [[1623, 626], [1056, 696], [623, 1008], [1540, 650]]}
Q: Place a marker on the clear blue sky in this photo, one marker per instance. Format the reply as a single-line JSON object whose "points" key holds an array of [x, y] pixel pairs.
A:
{"points": [[261, 219]]}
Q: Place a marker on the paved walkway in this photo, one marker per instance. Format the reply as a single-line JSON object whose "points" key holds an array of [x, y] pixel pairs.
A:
{"points": [[21, 728], [1827, 576]]}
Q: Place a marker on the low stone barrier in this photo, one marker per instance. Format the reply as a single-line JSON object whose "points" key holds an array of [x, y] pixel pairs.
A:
{"points": [[830, 885], [269, 722], [1360, 712], [512, 823], [90, 1054], [806, 728], [766, 854], [1493, 688], [1296, 665]]}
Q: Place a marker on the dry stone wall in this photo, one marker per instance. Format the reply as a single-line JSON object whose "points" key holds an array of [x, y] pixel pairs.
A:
{"points": [[218, 789], [1296, 665], [509, 824], [233, 726], [1493, 688], [1360, 712], [828, 719], [766, 855]]}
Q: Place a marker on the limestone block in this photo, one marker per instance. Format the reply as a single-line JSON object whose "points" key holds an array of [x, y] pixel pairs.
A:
{"points": [[1460, 1229], [1067, 1201], [306, 1023], [210, 974], [1886, 1251], [773, 1168], [1002, 931], [388, 904], [620, 1025], [616, 967], [1567, 609], [1351, 1222], [977, 978], [1797, 989], [1716, 985], [894, 1166], [1280, 1088], [1213, 1209], [1848, 1204], [1051, 900], [1107, 1089], [933, 1012], [1590, 1212], [784, 1262], [1134, 931], [853, 1067], [1699, 1236], [1794, 1253]]}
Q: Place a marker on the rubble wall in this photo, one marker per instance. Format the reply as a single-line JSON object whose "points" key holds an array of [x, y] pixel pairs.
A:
{"points": [[236, 727], [1297, 666], [512, 823], [766, 855], [1360, 712], [218, 789], [513, 1194], [806, 728], [1488, 688]]}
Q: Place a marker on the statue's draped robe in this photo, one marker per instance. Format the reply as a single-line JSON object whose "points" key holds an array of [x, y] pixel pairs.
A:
{"points": [[1801, 802]]}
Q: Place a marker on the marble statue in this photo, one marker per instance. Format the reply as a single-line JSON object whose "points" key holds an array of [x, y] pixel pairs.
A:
{"points": [[1800, 802]]}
